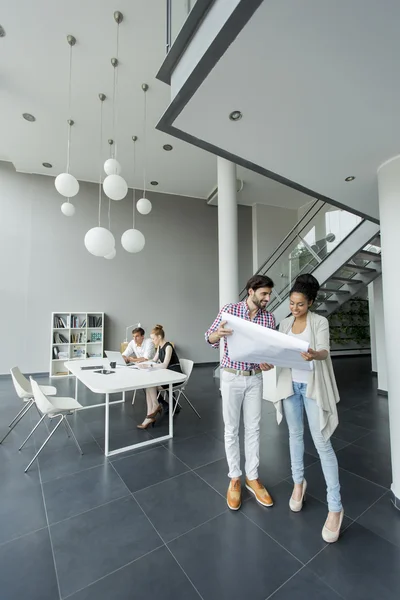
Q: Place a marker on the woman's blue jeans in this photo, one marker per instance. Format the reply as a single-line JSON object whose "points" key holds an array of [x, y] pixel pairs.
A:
{"points": [[294, 409]]}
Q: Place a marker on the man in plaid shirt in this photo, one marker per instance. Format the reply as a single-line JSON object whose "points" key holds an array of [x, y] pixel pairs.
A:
{"points": [[241, 386]]}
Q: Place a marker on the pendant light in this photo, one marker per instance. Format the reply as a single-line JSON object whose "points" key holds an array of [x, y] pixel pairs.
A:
{"points": [[115, 186], [99, 241], [133, 240], [144, 204], [66, 184]]}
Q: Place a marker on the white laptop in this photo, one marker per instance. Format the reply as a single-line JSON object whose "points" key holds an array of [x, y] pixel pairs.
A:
{"points": [[118, 359]]}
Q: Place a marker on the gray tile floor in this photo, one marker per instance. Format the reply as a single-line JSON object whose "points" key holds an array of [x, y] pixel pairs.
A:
{"points": [[154, 524]]}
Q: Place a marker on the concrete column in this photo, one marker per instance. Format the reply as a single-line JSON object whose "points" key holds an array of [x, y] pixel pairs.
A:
{"points": [[389, 212], [380, 337], [371, 304], [227, 233]]}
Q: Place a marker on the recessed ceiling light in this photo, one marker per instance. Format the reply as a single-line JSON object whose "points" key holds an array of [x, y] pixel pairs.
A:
{"points": [[2, 32], [236, 115], [167, 147], [47, 165], [350, 178], [29, 117], [154, 182]]}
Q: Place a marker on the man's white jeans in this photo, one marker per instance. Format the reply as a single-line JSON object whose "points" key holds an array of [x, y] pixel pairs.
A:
{"points": [[238, 391]]}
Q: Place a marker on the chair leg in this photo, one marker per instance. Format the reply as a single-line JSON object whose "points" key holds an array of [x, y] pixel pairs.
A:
{"points": [[68, 426], [134, 396], [43, 445], [16, 421], [23, 409], [190, 404], [40, 415], [32, 432]]}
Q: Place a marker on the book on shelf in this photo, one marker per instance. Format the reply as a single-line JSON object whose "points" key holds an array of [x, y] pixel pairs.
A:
{"points": [[60, 322], [59, 338], [78, 338], [62, 373], [63, 355], [55, 352], [94, 321]]}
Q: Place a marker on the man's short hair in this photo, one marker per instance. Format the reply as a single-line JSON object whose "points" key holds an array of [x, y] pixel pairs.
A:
{"points": [[138, 330], [259, 281]]}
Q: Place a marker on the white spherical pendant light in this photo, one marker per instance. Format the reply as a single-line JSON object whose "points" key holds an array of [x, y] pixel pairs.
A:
{"points": [[111, 255], [112, 167], [68, 209], [144, 206], [66, 185], [133, 240], [115, 187], [99, 241]]}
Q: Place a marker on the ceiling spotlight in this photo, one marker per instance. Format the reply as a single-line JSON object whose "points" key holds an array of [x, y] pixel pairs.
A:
{"points": [[350, 178], [236, 115], [47, 165], [167, 147], [154, 182], [29, 117], [2, 32]]}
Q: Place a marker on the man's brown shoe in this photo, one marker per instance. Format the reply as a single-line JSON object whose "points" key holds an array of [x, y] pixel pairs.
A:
{"points": [[256, 488], [234, 494]]}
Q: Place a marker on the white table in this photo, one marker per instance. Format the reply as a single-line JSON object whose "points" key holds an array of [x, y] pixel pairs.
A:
{"points": [[123, 380]]}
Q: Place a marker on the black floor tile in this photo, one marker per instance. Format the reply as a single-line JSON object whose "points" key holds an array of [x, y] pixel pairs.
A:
{"points": [[383, 519], [27, 568], [59, 462], [349, 432], [216, 475], [197, 451], [22, 512], [179, 504], [95, 543], [60, 439], [148, 468], [73, 494], [360, 566], [156, 576], [357, 494], [230, 558], [376, 440], [305, 585], [121, 440], [371, 464], [362, 417], [299, 533]]}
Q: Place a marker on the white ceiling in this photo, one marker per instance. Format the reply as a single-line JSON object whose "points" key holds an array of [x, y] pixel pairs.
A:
{"points": [[318, 84], [34, 79]]}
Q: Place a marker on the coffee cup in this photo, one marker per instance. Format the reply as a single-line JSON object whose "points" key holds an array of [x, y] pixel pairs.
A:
{"points": [[113, 364]]}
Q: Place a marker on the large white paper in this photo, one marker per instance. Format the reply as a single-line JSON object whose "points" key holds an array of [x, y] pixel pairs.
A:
{"points": [[254, 343]]}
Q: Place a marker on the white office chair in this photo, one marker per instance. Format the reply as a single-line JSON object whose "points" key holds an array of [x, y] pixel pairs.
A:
{"points": [[24, 391], [187, 368], [52, 408]]}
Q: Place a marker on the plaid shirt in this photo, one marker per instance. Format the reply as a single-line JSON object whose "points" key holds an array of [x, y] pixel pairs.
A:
{"points": [[263, 317]]}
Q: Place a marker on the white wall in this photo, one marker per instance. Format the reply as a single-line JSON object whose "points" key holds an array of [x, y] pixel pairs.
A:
{"points": [[45, 267], [270, 226]]}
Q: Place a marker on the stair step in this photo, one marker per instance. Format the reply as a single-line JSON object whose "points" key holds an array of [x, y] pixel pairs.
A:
{"points": [[367, 255], [321, 312], [357, 269], [332, 291], [322, 301], [345, 280]]}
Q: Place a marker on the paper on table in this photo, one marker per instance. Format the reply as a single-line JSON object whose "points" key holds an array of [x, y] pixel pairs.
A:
{"points": [[254, 343]]}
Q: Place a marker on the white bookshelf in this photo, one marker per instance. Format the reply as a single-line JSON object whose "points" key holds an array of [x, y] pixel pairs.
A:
{"points": [[75, 335]]}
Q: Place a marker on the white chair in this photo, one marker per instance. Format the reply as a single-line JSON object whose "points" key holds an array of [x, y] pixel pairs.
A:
{"points": [[52, 408], [187, 368], [24, 391]]}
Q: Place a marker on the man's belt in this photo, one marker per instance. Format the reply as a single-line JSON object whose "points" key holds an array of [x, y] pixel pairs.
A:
{"points": [[244, 373]]}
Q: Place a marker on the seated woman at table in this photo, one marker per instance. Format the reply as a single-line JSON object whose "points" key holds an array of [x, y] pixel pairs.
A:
{"points": [[166, 358]]}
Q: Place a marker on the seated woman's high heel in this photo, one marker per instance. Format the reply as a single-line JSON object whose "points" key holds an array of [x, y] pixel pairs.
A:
{"points": [[155, 413], [146, 423]]}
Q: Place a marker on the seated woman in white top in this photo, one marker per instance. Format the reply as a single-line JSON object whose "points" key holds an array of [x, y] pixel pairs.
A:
{"points": [[140, 348], [314, 392]]}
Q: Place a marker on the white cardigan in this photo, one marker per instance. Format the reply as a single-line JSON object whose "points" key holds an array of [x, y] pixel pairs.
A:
{"points": [[322, 384]]}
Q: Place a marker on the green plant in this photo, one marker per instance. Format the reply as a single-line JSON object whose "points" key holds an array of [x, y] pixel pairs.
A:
{"points": [[350, 323]]}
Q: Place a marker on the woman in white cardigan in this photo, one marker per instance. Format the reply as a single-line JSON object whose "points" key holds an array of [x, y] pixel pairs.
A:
{"points": [[315, 392]]}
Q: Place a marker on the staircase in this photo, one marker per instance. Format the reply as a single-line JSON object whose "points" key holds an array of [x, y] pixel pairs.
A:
{"points": [[344, 260]]}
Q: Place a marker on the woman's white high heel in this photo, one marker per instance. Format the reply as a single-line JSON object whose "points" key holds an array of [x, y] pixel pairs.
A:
{"points": [[329, 536], [297, 505]]}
